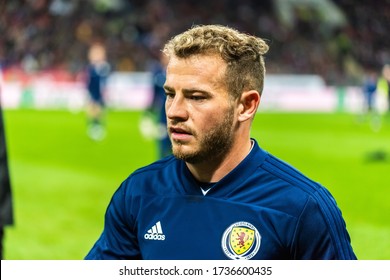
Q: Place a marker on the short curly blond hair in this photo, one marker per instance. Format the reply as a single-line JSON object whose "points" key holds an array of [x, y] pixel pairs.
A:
{"points": [[243, 53]]}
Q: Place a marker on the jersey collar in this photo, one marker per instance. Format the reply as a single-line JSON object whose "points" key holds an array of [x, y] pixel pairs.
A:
{"points": [[231, 181]]}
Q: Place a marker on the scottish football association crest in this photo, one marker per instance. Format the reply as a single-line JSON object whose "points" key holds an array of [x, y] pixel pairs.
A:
{"points": [[241, 240]]}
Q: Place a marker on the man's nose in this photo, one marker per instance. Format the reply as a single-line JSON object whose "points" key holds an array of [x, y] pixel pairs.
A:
{"points": [[176, 108]]}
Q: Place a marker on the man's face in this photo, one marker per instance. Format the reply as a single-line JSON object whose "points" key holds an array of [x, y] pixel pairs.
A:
{"points": [[200, 113]]}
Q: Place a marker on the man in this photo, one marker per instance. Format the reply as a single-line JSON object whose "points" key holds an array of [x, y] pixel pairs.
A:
{"points": [[6, 213], [154, 121], [220, 196], [383, 90], [97, 74]]}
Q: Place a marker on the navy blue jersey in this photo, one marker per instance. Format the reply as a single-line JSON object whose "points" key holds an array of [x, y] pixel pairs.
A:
{"points": [[96, 80], [263, 209]]}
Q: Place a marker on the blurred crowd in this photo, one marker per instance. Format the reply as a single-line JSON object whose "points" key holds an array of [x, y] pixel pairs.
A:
{"points": [[56, 34]]}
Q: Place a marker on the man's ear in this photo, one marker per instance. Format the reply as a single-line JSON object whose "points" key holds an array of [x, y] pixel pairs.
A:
{"points": [[248, 104]]}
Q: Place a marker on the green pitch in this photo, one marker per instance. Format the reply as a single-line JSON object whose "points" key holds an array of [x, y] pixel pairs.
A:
{"points": [[62, 181]]}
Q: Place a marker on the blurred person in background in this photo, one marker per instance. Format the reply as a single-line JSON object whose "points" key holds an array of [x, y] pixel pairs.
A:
{"points": [[6, 209], [383, 89], [220, 195], [369, 86], [382, 99], [154, 121], [98, 71], [381, 111]]}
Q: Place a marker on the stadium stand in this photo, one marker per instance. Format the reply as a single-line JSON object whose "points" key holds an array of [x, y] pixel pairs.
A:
{"points": [[55, 34]]}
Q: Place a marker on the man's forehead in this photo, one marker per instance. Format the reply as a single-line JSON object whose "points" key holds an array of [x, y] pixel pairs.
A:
{"points": [[197, 65], [197, 58], [198, 71]]}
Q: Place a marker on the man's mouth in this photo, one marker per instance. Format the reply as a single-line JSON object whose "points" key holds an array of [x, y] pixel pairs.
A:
{"points": [[179, 134], [178, 130]]}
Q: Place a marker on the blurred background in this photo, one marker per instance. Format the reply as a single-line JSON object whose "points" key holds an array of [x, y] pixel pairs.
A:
{"points": [[336, 39], [321, 108]]}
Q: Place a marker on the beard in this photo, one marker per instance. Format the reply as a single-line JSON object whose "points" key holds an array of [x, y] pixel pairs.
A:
{"points": [[213, 144]]}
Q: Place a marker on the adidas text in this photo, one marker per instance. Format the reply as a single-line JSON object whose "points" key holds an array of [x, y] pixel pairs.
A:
{"points": [[154, 236]]}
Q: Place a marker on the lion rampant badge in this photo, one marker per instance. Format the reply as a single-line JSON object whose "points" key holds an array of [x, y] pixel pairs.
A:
{"points": [[241, 240]]}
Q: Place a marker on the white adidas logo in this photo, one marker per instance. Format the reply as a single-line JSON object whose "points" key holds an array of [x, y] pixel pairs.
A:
{"points": [[155, 233]]}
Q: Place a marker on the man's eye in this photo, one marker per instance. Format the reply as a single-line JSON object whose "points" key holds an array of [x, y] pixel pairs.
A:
{"points": [[169, 95], [197, 97]]}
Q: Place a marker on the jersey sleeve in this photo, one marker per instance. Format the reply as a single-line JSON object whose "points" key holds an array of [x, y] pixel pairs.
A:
{"points": [[321, 232], [118, 240]]}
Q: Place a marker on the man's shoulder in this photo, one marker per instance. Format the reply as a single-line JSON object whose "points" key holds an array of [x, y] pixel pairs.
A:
{"points": [[281, 170], [157, 166], [158, 172], [152, 178], [291, 189], [294, 185]]}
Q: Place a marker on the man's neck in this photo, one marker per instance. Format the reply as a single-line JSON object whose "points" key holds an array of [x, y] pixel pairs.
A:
{"points": [[215, 169]]}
